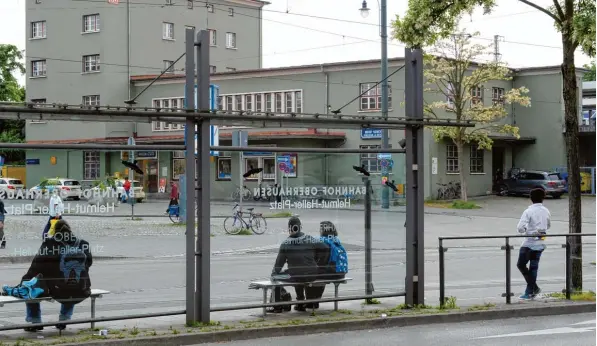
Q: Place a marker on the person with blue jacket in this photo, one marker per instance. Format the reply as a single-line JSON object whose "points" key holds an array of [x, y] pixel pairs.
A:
{"points": [[332, 260]]}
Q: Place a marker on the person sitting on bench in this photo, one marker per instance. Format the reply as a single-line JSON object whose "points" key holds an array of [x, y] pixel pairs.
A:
{"points": [[332, 260], [298, 252]]}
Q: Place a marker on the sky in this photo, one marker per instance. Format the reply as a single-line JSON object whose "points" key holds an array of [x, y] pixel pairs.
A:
{"points": [[296, 32]]}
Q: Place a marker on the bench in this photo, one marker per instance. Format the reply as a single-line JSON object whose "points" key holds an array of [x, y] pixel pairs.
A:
{"points": [[266, 285], [95, 294]]}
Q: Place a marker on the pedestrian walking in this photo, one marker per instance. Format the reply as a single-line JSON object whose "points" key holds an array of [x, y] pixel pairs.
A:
{"points": [[174, 194], [534, 222], [3, 213], [127, 189]]}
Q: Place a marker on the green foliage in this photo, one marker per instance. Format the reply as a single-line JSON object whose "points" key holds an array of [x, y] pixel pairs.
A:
{"points": [[11, 131], [589, 76], [107, 183], [464, 205]]}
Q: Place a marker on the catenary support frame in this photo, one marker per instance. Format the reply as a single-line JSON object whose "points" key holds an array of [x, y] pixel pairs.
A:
{"points": [[198, 117]]}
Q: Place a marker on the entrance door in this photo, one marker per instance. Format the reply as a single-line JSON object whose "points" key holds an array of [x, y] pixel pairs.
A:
{"points": [[152, 176], [497, 165]]}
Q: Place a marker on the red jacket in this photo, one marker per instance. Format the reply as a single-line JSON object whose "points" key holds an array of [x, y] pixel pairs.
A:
{"points": [[174, 192], [127, 185]]}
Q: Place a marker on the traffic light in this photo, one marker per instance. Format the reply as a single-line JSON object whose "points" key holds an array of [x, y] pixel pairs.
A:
{"points": [[133, 166]]}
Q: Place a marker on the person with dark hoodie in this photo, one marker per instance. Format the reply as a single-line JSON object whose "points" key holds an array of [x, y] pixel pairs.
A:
{"points": [[332, 260], [61, 268], [298, 252], [3, 213]]}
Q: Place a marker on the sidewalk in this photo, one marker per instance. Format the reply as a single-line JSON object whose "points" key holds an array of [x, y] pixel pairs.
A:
{"points": [[250, 324]]}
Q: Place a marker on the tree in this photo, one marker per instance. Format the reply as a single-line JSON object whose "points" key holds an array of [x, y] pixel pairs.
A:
{"points": [[589, 76], [428, 20], [11, 131], [459, 80]]}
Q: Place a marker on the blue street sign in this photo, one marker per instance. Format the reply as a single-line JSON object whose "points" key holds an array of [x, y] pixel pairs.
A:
{"points": [[1, 160], [32, 161], [370, 133], [283, 159], [214, 135], [384, 163], [381, 156]]}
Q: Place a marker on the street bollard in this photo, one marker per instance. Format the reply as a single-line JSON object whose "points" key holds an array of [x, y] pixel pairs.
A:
{"points": [[442, 287]]}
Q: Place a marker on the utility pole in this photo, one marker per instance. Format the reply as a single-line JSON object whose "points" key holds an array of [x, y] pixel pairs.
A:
{"points": [[496, 48], [385, 192]]}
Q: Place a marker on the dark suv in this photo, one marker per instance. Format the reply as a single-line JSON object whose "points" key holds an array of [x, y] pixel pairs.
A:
{"points": [[522, 182]]}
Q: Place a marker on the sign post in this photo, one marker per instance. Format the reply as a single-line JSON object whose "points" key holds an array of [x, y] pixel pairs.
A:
{"points": [[283, 165], [240, 139], [131, 196]]}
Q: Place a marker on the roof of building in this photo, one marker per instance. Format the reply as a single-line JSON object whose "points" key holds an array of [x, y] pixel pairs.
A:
{"points": [[321, 67]]}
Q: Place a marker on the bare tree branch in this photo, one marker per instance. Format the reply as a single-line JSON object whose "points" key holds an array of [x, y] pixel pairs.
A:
{"points": [[526, 2], [556, 4]]}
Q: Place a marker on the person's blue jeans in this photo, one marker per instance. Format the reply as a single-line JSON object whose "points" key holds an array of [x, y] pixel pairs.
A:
{"points": [[526, 255], [34, 312]]}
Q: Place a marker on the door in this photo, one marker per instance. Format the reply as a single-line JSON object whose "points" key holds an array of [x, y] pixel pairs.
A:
{"points": [[497, 165], [152, 176]]}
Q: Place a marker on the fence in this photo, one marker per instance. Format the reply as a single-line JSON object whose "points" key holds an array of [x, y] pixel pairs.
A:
{"points": [[508, 251]]}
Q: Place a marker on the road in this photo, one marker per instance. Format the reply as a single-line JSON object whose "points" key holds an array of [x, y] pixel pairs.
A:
{"points": [[151, 278], [578, 330]]}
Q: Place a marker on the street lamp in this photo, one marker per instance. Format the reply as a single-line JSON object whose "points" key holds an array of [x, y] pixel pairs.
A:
{"points": [[364, 9], [368, 239], [383, 19]]}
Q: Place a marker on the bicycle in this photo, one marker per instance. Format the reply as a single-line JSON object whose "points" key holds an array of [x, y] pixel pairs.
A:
{"points": [[247, 194], [264, 193], [448, 191], [174, 213], [256, 223]]}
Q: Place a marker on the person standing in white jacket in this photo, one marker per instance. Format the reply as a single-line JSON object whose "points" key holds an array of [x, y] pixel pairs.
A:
{"points": [[534, 222], [56, 208]]}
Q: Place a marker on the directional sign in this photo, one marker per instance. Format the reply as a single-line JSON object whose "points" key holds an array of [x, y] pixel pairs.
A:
{"points": [[131, 141], [285, 159], [381, 156], [214, 136], [282, 166]]}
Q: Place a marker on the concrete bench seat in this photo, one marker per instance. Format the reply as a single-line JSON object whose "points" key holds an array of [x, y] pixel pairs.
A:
{"points": [[95, 294], [270, 284]]}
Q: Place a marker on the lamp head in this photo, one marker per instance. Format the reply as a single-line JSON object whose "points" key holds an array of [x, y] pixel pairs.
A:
{"points": [[364, 9]]}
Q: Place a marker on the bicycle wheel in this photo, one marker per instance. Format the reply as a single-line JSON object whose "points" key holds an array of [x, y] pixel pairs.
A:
{"points": [[235, 195], [450, 194], [440, 194], [248, 194], [175, 218], [258, 224], [233, 225]]}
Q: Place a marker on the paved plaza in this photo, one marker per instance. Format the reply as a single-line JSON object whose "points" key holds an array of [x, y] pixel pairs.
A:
{"points": [[142, 263]]}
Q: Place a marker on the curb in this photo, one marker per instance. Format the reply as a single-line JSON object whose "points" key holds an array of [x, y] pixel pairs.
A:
{"points": [[348, 325]]}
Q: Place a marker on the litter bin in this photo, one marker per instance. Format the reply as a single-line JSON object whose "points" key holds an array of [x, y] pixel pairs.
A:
{"points": [[585, 182]]}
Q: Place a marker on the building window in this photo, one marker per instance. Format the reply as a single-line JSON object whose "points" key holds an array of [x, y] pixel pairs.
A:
{"points": [[220, 103], [38, 29], [231, 12], [268, 163], [288, 101], [230, 69], [91, 63], [497, 96], [91, 100], [190, 4], [298, 101], [268, 102], [224, 168], [238, 103], [91, 165], [231, 40], [278, 102], [212, 69], [169, 66], [258, 103], [91, 23], [369, 160], [249, 102], [452, 159], [38, 68], [178, 167], [476, 96], [168, 103], [229, 103], [371, 97], [213, 37], [168, 31], [477, 160]]}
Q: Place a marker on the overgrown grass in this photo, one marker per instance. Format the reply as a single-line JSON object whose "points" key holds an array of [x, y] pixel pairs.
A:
{"points": [[458, 204], [586, 296], [280, 215], [372, 301], [449, 304], [243, 231], [485, 306]]}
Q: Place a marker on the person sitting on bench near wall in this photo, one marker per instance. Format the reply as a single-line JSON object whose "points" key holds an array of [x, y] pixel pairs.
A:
{"points": [[298, 252]]}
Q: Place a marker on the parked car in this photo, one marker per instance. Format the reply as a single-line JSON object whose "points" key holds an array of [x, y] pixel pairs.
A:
{"points": [[138, 192], [521, 182], [10, 187], [69, 188]]}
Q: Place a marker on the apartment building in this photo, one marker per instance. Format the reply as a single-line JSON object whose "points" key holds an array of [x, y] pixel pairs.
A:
{"points": [[84, 52]]}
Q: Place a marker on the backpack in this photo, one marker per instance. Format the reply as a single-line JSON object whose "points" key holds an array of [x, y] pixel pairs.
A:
{"points": [[337, 254], [74, 281]]}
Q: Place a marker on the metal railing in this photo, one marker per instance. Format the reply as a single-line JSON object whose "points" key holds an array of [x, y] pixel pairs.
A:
{"points": [[508, 248]]}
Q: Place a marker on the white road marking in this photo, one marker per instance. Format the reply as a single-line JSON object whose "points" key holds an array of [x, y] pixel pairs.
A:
{"points": [[593, 322], [563, 330]]}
